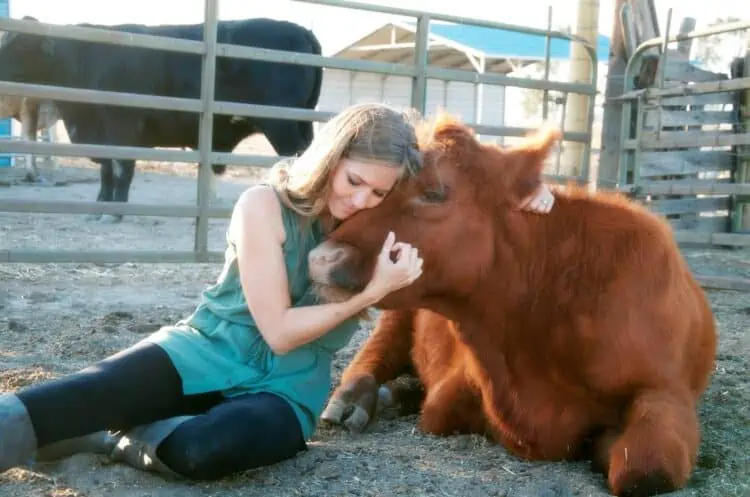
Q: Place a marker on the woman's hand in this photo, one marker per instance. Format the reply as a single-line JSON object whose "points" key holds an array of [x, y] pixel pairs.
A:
{"points": [[390, 275], [541, 202]]}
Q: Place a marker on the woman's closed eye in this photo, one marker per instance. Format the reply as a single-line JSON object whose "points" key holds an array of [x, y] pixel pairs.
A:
{"points": [[354, 181]]}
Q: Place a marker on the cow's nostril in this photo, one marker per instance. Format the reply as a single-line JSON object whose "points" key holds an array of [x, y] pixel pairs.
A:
{"points": [[335, 255]]}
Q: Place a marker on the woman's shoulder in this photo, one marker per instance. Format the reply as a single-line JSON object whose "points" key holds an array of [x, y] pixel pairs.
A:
{"points": [[259, 205]]}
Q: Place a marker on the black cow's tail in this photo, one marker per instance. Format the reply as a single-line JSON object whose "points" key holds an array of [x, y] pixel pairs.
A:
{"points": [[306, 127]]}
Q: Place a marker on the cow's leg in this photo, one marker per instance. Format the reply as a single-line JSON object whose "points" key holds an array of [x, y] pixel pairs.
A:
{"points": [[284, 136], [49, 162], [106, 186], [29, 122], [453, 406], [658, 446], [122, 175], [384, 356]]}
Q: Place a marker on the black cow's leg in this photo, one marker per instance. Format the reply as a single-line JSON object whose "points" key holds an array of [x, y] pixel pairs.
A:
{"points": [[123, 176], [284, 136], [106, 186]]}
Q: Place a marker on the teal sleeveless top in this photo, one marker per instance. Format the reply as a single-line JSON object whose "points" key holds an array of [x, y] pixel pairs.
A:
{"points": [[219, 347]]}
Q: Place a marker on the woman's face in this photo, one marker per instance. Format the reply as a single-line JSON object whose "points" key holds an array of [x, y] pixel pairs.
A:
{"points": [[360, 185]]}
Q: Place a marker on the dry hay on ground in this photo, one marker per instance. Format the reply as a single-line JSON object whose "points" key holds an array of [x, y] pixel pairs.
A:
{"points": [[58, 318]]}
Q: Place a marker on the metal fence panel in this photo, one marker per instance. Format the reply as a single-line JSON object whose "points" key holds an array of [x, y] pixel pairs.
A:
{"points": [[209, 49]]}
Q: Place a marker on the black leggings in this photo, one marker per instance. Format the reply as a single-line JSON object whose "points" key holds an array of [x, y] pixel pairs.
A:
{"points": [[140, 385]]}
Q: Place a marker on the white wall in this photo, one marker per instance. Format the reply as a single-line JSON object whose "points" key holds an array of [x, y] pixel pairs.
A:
{"points": [[343, 88]]}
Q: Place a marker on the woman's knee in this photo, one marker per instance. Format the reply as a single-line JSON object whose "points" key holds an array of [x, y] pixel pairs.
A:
{"points": [[235, 436], [192, 458]]}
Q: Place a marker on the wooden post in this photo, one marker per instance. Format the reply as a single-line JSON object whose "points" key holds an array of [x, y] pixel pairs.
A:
{"points": [[587, 27]]}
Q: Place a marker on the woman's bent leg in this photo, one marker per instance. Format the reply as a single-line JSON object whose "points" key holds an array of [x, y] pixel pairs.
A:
{"points": [[130, 388], [241, 433]]}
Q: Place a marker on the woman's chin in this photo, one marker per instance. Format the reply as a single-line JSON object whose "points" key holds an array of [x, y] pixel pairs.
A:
{"points": [[341, 214]]}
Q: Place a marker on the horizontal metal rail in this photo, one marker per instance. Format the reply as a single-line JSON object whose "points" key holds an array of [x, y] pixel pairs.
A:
{"points": [[103, 35], [112, 208], [123, 99], [220, 107], [191, 156], [686, 139], [464, 75], [685, 89], [498, 79], [98, 151], [447, 18], [99, 97], [151, 210], [108, 256], [728, 239], [299, 58], [687, 188]]}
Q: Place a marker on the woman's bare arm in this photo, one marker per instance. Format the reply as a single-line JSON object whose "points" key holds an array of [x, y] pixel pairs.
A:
{"points": [[258, 232]]}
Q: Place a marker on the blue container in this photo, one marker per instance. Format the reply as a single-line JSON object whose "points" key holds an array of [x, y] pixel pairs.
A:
{"points": [[5, 126]]}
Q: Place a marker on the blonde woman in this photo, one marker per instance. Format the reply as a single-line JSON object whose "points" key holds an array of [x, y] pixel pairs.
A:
{"points": [[241, 382]]}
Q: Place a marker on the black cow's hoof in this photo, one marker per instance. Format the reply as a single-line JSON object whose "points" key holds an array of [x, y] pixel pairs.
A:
{"points": [[110, 219]]}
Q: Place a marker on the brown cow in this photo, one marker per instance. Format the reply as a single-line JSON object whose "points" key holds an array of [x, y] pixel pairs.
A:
{"points": [[576, 334], [34, 115]]}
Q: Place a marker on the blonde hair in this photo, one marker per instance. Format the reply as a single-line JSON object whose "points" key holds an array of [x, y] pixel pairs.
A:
{"points": [[371, 132]]}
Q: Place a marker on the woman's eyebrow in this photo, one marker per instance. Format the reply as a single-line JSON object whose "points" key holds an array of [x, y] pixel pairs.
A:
{"points": [[360, 178]]}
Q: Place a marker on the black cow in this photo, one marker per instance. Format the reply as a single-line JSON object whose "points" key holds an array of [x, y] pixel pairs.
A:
{"points": [[99, 66]]}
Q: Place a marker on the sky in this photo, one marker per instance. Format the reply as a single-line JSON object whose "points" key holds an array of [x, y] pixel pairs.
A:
{"points": [[337, 27]]}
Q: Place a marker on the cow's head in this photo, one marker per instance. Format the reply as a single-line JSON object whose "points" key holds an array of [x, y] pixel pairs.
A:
{"points": [[451, 211], [25, 57]]}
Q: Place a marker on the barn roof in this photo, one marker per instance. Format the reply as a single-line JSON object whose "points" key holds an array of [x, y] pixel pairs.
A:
{"points": [[460, 46]]}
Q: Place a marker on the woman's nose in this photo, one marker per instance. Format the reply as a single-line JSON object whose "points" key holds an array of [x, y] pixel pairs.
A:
{"points": [[359, 200]]}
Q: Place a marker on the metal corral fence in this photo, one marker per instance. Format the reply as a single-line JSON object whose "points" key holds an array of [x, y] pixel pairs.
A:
{"points": [[682, 152], [207, 107]]}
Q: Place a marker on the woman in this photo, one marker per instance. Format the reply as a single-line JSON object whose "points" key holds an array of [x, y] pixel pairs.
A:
{"points": [[241, 382]]}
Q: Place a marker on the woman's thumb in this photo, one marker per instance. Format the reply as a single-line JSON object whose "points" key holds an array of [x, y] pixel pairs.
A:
{"points": [[388, 245]]}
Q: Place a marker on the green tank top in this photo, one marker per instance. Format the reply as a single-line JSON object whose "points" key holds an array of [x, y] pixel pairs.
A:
{"points": [[219, 347]]}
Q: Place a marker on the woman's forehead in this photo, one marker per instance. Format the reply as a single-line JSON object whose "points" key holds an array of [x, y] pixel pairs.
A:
{"points": [[378, 175]]}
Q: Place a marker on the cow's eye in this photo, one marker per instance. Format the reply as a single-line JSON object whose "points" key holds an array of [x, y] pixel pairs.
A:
{"points": [[434, 196]]}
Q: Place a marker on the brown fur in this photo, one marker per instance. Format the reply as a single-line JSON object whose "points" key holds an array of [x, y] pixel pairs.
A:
{"points": [[576, 334]]}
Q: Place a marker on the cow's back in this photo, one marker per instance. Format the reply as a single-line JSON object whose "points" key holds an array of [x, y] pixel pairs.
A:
{"points": [[157, 72], [610, 300]]}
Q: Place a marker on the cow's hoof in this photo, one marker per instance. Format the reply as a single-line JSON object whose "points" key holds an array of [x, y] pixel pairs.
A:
{"points": [[92, 217], [110, 219], [639, 485], [385, 398], [358, 420], [44, 181], [334, 411]]}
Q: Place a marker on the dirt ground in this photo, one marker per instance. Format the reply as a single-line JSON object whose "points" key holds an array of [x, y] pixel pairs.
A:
{"points": [[58, 318]]}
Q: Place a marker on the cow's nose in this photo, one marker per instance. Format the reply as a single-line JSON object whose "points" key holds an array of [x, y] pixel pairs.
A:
{"points": [[325, 257]]}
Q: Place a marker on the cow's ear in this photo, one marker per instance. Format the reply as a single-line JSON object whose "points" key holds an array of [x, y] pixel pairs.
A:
{"points": [[447, 129], [529, 161]]}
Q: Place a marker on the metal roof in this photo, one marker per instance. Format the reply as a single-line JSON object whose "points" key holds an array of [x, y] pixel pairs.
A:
{"points": [[461, 46]]}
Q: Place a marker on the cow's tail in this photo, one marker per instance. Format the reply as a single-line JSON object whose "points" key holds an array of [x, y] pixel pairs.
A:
{"points": [[306, 127]]}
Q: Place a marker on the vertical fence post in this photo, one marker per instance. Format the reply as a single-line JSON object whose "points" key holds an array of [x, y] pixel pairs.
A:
{"points": [[547, 54], [419, 81], [205, 136], [589, 174]]}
